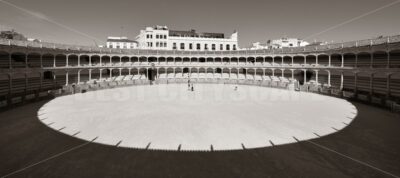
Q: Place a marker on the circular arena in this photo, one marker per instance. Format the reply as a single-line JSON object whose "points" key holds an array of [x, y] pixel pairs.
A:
{"points": [[212, 117], [325, 111]]}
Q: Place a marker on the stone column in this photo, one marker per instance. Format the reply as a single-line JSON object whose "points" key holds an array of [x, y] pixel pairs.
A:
{"points": [[66, 63], [341, 81], [329, 78], [54, 61], [90, 60], [292, 73], [66, 78], [342, 65], [329, 60], [79, 60], [292, 60]]}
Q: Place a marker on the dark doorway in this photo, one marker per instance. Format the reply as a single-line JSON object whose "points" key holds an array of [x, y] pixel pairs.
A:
{"points": [[48, 75], [309, 74], [151, 74]]}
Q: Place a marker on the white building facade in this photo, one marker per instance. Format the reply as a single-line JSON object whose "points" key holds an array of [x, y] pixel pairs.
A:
{"points": [[288, 42], [161, 38], [121, 43]]}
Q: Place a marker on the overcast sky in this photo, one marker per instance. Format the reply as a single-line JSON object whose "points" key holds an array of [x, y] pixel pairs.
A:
{"points": [[256, 20]]}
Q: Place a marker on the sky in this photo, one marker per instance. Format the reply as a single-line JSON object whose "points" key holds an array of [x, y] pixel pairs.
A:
{"points": [[89, 22]]}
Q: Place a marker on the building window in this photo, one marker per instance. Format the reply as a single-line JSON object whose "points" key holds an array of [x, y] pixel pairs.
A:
{"points": [[198, 46], [234, 47], [213, 47], [228, 47], [157, 36], [157, 44], [190, 46], [205, 46], [221, 47], [111, 46], [147, 36], [173, 45], [182, 45], [165, 36]]}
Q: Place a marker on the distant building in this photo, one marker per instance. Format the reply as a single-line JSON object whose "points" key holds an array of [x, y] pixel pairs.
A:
{"points": [[34, 40], [280, 43], [258, 45], [121, 43], [287, 43], [160, 37], [12, 35]]}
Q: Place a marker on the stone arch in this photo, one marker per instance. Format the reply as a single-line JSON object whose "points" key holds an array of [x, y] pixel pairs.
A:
{"points": [[380, 59], [73, 60], [363, 59], [18, 60], [61, 60], [394, 57], [33, 60], [4, 60], [349, 60]]}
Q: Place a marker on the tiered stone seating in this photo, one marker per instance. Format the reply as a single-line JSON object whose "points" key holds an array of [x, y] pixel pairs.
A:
{"points": [[143, 77], [234, 76], [225, 75], [249, 77], [202, 75], [267, 78], [242, 77], [258, 77], [136, 77], [217, 75], [163, 76], [194, 75], [128, 77], [171, 76], [179, 75], [120, 78]]}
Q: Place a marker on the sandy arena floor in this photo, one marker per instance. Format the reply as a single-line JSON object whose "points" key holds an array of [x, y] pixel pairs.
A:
{"points": [[218, 117]]}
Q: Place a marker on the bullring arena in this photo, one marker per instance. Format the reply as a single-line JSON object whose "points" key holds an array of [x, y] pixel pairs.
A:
{"points": [[317, 111]]}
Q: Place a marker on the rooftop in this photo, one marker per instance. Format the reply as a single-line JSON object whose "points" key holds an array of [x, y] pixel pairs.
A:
{"points": [[193, 33]]}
